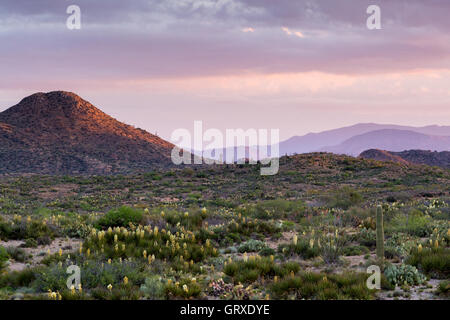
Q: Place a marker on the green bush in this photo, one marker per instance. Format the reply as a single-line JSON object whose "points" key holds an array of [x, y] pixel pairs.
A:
{"points": [[345, 198], [302, 248], [17, 279], [404, 275], [265, 252], [367, 237], [40, 232], [154, 288], [3, 258], [251, 246], [319, 286], [184, 288], [256, 267], [120, 217], [444, 288], [17, 254], [275, 209], [432, 261], [413, 223], [355, 250]]}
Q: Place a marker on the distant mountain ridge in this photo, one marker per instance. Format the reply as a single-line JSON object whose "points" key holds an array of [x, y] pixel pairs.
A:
{"points": [[439, 159], [60, 133], [390, 139], [355, 139], [330, 140]]}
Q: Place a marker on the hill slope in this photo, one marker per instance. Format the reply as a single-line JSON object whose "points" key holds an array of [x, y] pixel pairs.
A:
{"points": [[60, 133], [439, 159]]}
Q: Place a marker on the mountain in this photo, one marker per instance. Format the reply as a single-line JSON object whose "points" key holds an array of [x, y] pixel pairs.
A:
{"points": [[322, 140], [60, 133], [390, 139], [439, 159]]}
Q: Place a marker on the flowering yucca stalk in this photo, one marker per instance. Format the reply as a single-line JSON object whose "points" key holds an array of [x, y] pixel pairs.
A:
{"points": [[294, 240]]}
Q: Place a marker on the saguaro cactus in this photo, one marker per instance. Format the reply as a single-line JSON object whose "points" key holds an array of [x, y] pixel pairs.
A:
{"points": [[380, 235]]}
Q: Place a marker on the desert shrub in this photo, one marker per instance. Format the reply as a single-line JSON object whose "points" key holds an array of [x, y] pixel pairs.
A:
{"points": [[120, 217], [183, 288], [251, 246], [303, 248], [265, 252], [188, 219], [243, 228], [326, 243], [319, 286], [275, 209], [355, 251], [3, 258], [399, 245], [117, 292], [17, 254], [355, 216], [404, 274], [17, 279], [331, 249], [367, 237], [432, 261], [74, 227], [345, 198], [30, 243], [249, 270], [153, 288], [27, 229], [443, 288], [94, 274], [414, 223], [51, 278]]}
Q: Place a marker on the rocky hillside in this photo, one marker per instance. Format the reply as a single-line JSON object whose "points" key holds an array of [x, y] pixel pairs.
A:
{"points": [[60, 133], [439, 159]]}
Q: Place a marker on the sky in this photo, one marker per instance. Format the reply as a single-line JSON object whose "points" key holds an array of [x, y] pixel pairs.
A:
{"points": [[298, 66]]}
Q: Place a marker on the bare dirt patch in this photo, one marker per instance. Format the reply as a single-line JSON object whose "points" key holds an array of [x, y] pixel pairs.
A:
{"points": [[39, 253]]}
